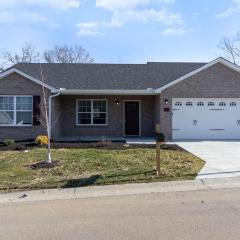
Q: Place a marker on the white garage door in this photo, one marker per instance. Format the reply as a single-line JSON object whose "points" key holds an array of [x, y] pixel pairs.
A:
{"points": [[213, 118]]}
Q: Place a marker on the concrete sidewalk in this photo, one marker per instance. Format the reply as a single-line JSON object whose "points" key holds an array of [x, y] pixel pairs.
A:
{"points": [[119, 190]]}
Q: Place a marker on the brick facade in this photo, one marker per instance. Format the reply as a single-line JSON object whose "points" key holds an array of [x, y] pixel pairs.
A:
{"points": [[217, 81], [15, 84]]}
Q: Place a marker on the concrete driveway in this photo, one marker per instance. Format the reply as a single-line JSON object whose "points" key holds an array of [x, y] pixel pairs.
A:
{"points": [[222, 157]]}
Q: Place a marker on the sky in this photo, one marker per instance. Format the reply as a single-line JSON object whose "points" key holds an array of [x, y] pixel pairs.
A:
{"points": [[123, 31]]}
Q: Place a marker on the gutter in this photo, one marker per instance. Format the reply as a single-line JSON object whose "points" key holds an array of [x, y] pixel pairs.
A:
{"points": [[50, 111], [113, 92]]}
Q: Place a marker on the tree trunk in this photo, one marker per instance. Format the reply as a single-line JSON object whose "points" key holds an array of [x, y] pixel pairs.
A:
{"points": [[49, 158]]}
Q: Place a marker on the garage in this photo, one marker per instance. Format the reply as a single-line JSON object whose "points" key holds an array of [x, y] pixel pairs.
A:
{"points": [[206, 118]]}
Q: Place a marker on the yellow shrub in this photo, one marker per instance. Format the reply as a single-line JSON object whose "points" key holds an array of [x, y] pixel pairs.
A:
{"points": [[41, 140]]}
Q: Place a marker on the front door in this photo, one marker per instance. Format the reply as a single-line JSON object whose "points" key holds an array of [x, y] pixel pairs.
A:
{"points": [[132, 118]]}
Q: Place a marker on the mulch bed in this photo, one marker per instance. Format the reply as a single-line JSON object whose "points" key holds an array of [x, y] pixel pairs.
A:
{"points": [[22, 146], [43, 165]]}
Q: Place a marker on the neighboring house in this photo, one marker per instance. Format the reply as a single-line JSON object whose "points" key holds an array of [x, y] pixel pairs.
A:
{"points": [[188, 100]]}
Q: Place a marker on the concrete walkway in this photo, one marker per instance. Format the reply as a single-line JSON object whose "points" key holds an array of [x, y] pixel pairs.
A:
{"points": [[222, 157], [119, 190]]}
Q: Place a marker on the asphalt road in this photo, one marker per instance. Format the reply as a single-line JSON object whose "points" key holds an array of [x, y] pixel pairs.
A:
{"points": [[191, 215]]}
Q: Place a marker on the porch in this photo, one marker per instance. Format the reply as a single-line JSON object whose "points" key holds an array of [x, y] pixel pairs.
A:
{"points": [[105, 118]]}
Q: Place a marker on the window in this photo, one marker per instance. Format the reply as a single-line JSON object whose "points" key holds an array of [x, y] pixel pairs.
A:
{"points": [[15, 110], [6, 110], [233, 104], [91, 112], [23, 110], [211, 104], [189, 104], [200, 104], [178, 103], [222, 104]]}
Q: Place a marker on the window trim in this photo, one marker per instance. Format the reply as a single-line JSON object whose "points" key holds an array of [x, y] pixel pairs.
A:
{"points": [[15, 111], [211, 104], [178, 104], [92, 112], [189, 104], [233, 104], [222, 104], [200, 104]]}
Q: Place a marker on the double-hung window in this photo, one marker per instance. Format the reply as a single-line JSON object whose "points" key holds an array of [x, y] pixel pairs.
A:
{"points": [[92, 112], [16, 110]]}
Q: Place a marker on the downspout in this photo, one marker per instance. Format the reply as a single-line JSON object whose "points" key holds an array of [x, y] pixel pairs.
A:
{"points": [[50, 112]]}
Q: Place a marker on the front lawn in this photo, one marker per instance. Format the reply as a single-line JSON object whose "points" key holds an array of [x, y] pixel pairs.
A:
{"points": [[84, 167]]}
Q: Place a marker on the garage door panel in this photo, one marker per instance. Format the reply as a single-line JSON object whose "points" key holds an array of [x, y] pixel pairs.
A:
{"points": [[206, 118]]}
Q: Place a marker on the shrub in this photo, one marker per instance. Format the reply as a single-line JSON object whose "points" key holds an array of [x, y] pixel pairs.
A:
{"points": [[41, 140], [8, 142]]}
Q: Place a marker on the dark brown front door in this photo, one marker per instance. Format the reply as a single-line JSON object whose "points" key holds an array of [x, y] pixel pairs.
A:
{"points": [[132, 118]]}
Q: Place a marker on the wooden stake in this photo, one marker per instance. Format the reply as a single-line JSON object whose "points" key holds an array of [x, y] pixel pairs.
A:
{"points": [[158, 157]]}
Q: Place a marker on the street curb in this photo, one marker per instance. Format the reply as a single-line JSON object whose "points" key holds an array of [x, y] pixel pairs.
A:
{"points": [[119, 190]]}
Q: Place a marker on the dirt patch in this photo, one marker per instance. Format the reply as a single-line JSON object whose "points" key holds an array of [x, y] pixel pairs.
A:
{"points": [[43, 165]]}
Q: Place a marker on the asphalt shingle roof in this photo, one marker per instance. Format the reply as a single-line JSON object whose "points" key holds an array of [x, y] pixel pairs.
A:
{"points": [[108, 76]]}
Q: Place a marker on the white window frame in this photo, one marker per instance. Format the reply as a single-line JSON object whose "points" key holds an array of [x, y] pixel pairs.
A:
{"points": [[222, 104], [200, 104], [92, 112], [189, 104], [15, 111], [232, 104], [178, 104], [211, 104]]}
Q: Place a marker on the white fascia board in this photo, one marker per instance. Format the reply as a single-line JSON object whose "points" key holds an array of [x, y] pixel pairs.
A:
{"points": [[107, 92], [15, 70], [218, 60]]}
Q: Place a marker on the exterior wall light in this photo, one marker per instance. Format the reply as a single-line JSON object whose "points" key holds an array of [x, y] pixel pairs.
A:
{"points": [[166, 101], [117, 102]]}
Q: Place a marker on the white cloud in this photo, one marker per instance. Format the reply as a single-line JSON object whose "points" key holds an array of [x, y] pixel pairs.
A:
{"points": [[126, 4], [26, 18], [173, 32], [119, 18], [88, 28], [6, 17], [56, 4], [231, 10], [126, 11], [34, 17]]}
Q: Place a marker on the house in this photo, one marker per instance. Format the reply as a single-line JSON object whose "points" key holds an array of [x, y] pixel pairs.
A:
{"points": [[188, 100]]}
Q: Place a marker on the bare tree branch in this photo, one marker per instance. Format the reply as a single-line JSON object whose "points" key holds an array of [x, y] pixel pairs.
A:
{"points": [[56, 119], [59, 54], [231, 48], [27, 54], [67, 54]]}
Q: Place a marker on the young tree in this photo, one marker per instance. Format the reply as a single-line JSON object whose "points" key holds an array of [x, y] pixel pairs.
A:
{"points": [[67, 54], [27, 54], [46, 120], [231, 48]]}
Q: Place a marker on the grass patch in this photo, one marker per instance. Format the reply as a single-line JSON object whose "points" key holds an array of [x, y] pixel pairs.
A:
{"points": [[84, 167]]}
